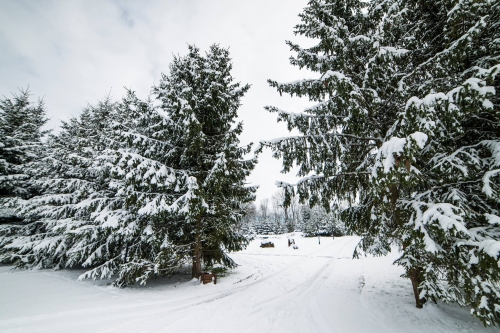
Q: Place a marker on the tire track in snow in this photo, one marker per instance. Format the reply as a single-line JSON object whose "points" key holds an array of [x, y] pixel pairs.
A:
{"points": [[236, 290], [300, 301], [102, 315], [319, 272], [312, 283], [344, 244]]}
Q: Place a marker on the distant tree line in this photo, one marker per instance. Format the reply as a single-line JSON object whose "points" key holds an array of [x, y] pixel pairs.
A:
{"points": [[273, 217]]}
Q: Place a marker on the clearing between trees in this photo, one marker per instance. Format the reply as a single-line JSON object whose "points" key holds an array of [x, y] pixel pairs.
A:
{"points": [[315, 288]]}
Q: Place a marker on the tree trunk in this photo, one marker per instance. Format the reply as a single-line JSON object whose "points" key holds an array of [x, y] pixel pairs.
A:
{"points": [[394, 200], [196, 269], [415, 273], [416, 279]]}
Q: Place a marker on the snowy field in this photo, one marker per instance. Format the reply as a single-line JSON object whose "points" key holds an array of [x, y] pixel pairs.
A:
{"points": [[316, 288]]}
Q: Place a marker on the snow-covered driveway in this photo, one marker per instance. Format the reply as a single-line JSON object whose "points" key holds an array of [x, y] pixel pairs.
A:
{"points": [[316, 288]]}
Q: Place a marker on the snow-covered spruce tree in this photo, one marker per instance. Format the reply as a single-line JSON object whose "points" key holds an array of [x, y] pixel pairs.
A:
{"points": [[354, 107], [21, 134], [247, 223], [305, 212], [424, 169], [319, 222], [354, 91], [62, 226], [439, 166], [139, 155], [201, 102]]}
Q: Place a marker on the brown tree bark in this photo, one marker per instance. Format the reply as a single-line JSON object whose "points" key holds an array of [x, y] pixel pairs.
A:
{"points": [[416, 279], [196, 269], [394, 199], [416, 272], [197, 257]]}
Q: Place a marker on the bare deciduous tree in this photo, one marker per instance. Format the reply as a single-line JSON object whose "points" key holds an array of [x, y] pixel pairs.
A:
{"points": [[264, 208]]}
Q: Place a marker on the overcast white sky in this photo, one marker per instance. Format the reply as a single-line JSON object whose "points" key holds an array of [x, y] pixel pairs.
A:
{"points": [[74, 52]]}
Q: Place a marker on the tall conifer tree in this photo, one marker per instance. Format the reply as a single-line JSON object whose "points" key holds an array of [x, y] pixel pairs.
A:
{"points": [[61, 228], [406, 128], [201, 100], [21, 134], [447, 137], [139, 160], [354, 94]]}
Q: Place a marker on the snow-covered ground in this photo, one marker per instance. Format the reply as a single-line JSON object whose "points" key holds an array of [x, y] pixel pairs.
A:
{"points": [[315, 288]]}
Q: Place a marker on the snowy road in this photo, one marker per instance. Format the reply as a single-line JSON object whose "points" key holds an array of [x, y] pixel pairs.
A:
{"points": [[317, 288]]}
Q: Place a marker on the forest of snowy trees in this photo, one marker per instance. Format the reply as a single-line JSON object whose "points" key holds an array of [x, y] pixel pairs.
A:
{"points": [[273, 217], [402, 148], [131, 189]]}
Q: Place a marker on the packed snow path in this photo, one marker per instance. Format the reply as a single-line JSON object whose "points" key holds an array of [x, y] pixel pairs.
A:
{"points": [[316, 288]]}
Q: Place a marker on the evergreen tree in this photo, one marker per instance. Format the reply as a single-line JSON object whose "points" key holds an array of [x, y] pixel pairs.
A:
{"points": [[322, 223], [137, 157], [264, 224], [61, 226], [306, 216], [406, 129], [247, 223], [201, 101], [316, 223], [21, 134], [438, 169], [354, 94], [337, 225], [295, 212]]}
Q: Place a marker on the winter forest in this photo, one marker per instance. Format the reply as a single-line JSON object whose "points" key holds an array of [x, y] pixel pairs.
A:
{"points": [[397, 161]]}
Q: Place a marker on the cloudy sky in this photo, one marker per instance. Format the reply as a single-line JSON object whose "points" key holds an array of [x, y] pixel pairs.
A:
{"points": [[74, 52]]}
